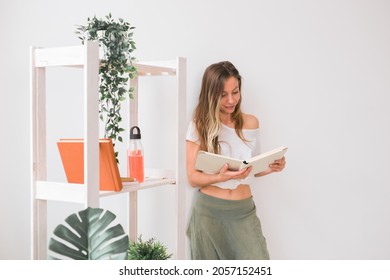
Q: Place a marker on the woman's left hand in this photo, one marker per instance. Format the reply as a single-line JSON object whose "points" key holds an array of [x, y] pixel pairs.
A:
{"points": [[278, 165]]}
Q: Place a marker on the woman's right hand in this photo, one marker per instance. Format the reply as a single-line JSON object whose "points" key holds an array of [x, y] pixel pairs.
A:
{"points": [[225, 174]]}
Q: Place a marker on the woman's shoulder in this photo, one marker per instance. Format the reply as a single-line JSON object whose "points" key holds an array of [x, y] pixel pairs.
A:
{"points": [[250, 121]]}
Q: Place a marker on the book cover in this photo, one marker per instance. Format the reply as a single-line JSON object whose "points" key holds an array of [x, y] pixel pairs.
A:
{"points": [[212, 163], [72, 156]]}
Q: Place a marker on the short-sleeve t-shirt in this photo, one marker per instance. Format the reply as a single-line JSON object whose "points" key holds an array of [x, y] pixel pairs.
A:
{"points": [[232, 146]]}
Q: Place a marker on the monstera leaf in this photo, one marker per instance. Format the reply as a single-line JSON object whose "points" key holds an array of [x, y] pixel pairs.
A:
{"points": [[87, 237]]}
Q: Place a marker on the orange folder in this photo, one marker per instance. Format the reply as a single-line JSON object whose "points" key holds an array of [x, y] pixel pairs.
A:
{"points": [[72, 156]]}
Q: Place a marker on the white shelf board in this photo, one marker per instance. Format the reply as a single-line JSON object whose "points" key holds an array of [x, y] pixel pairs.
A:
{"points": [[74, 56], [157, 68], [134, 186], [46, 190], [77, 193], [63, 56]]}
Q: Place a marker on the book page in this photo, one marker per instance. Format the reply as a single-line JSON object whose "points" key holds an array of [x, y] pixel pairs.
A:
{"points": [[261, 162], [212, 163]]}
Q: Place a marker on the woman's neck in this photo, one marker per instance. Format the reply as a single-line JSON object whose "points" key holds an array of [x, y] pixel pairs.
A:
{"points": [[227, 120]]}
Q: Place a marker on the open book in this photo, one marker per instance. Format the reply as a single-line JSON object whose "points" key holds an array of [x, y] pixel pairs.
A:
{"points": [[212, 163], [72, 156]]}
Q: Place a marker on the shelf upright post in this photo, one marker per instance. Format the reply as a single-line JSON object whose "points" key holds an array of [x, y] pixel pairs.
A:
{"points": [[133, 196], [181, 177], [38, 157], [91, 123]]}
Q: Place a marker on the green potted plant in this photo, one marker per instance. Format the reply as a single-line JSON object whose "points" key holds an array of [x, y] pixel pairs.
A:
{"points": [[115, 37], [147, 250]]}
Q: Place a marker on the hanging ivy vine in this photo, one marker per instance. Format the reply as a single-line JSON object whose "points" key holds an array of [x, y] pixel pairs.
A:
{"points": [[115, 37]]}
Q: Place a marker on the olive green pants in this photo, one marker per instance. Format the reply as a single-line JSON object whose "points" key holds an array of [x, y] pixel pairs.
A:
{"points": [[222, 229]]}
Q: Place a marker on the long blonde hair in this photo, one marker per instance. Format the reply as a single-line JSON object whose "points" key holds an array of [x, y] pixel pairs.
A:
{"points": [[207, 112]]}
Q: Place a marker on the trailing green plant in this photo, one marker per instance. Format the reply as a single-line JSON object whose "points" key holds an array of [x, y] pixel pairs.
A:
{"points": [[116, 68], [147, 250]]}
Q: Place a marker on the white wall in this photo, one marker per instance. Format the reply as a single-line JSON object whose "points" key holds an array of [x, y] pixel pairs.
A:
{"points": [[316, 73]]}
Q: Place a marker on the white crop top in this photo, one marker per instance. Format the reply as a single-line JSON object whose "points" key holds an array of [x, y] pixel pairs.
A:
{"points": [[232, 146]]}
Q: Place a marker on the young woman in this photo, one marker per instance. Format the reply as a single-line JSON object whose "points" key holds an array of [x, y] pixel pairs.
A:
{"points": [[224, 223]]}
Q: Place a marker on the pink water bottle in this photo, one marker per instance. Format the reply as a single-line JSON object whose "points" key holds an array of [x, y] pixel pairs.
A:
{"points": [[135, 156]]}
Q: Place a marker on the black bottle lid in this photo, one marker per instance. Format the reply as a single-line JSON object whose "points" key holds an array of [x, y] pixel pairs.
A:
{"points": [[135, 135]]}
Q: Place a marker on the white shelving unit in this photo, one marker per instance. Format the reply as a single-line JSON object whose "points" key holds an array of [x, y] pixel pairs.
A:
{"points": [[87, 57]]}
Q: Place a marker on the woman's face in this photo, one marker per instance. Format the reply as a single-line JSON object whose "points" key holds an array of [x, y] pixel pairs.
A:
{"points": [[230, 96]]}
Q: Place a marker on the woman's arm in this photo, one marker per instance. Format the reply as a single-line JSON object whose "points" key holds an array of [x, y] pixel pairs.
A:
{"points": [[200, 179]]}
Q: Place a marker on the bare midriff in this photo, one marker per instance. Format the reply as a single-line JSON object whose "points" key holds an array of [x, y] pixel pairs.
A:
{"points": [[241, 192]]}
